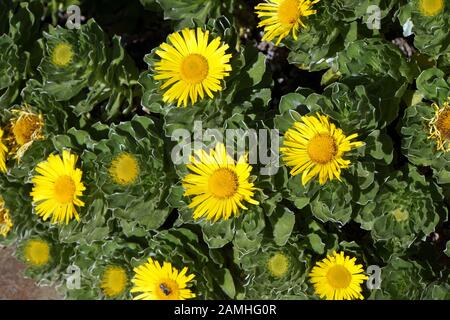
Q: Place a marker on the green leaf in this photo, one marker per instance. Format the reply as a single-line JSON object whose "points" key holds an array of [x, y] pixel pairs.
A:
{"points": [[227, 283], [283, 226], [433, 85], [316, 243], [218, 234]]}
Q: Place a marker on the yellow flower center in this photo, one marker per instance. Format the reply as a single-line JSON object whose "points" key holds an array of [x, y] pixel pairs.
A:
{"points": [[114, 281], [443, 124], [223, 183], [64, 189], [167, 290], [278, 265], [124, 169], [62, 54], [400, 215], [322, 148], [431, 7], [37, 252], [288, 12], [339, 277], [194, 68], [25, 127]]}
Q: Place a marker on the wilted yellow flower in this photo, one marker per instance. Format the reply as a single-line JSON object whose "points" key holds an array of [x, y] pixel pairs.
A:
{"points": [[25, 127], [3, 152], [439, 126], [5, 219]]}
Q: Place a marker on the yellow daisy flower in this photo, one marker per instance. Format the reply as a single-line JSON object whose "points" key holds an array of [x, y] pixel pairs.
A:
{"points": [[164, 282], [439, 126], [36, 252], [62, 54], [5, 219], [314, 146], [338, 278], [124, 169], [219, 184], [281, 17], [3, 152], [431, 8], [114, 281], [57, 188], [25, 128], [191, 66]]}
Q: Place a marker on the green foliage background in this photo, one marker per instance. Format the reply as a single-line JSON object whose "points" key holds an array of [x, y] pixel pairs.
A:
{"points": [[106, 103]]}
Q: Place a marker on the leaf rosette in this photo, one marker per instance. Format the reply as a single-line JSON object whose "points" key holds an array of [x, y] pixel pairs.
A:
{"points": [[45, 259], [276, 272], [383, 70], [429, 21], [438, 290], [244, 96], [104, 270], [334, 200], [20, 51], [29, 127], [336, 25], [132, 181], [400, 280], [417, 144], [80, 60], [405, 210]]}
